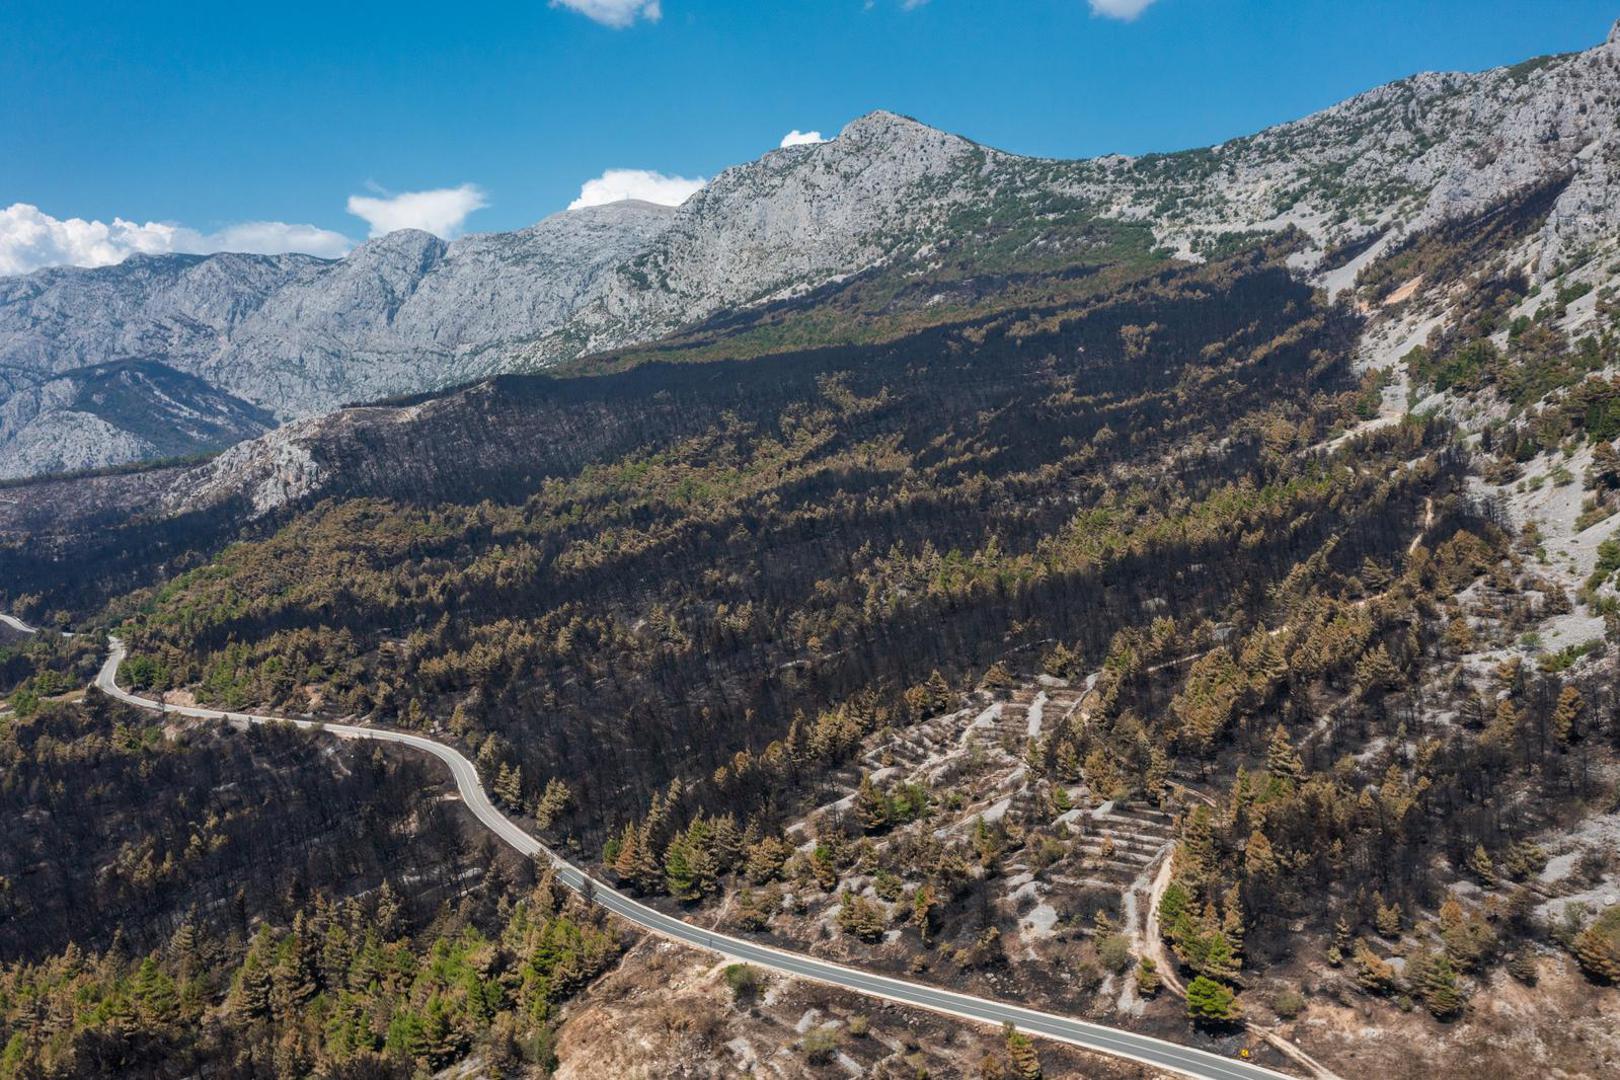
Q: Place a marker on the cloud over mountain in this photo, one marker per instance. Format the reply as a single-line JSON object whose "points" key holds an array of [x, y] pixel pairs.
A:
{"points": [[644, 184], [31, 239], [442, 211]]}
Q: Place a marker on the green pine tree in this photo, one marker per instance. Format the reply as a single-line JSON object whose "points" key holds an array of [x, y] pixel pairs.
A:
{"points": [[155, 999], [250, 994], [1209, 1002]]}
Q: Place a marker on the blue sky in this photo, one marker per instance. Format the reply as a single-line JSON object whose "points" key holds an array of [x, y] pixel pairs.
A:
{"points": [[208, 118]]}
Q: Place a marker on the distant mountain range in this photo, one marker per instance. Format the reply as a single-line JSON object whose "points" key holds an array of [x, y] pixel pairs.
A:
{"points": [[179, 354]]}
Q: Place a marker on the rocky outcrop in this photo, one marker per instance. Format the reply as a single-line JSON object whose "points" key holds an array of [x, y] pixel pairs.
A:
{"points": [[300, 335], [795, 219], [132, 410], [1408, 156], [179, 307]]}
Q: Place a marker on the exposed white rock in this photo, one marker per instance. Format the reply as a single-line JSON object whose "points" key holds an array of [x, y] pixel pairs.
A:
{"points": [[273, 470], [300, 336], [52, 440]]}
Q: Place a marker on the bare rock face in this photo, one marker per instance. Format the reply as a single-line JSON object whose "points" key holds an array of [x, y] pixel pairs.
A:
{"points": [[129, 410], [796, 218], [404, 313], [175, 306], [1407, 156], [270, 472], [300, 336]]}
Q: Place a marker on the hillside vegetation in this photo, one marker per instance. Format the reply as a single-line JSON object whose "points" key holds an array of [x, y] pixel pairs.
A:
{"points": [[1181, 592]]}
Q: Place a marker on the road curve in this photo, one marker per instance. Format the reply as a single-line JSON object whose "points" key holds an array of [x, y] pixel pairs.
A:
{"points": [[1140, 1048], [17, 624]]}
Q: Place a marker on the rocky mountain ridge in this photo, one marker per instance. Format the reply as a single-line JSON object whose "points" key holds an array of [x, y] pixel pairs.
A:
{"points": [[408, 312], [138, 408]]}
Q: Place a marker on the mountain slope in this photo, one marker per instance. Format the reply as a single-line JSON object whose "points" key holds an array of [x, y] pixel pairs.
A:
{"points": [[1436, 147], [302, 335], [178, 307], [407, 312], [144, 408], [1223, 646]]}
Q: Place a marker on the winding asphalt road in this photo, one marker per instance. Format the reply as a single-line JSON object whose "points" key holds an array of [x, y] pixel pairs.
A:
{"points": [[1140, 1048]]}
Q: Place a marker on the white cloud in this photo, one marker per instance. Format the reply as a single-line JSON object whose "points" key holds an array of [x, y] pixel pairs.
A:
{"points": [[278, 237], [801, 138], [644, 184], [912, 5], [1120, 9], [615, 13], [31, 239], [441, 212]]}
